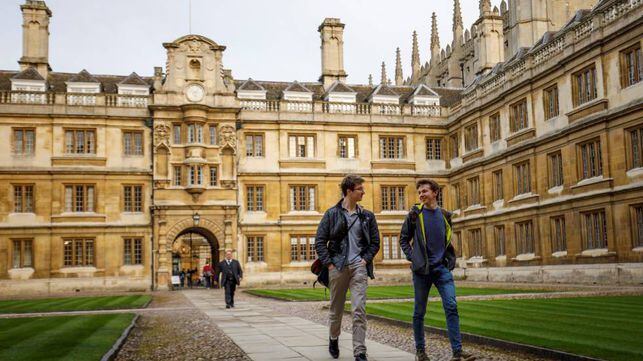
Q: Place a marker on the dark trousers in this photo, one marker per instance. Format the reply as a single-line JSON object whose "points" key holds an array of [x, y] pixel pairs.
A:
{"points": [[230, 287], [443, 280]]}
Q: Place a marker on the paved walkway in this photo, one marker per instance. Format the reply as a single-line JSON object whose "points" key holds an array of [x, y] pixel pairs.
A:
{"points": [[264, 334]]}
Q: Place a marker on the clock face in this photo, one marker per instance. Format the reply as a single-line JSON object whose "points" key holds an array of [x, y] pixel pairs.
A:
{"points": [[194, 93]]}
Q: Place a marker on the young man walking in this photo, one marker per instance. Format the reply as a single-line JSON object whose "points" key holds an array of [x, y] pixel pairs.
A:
{"points": [[432, 259], [346, 242]]}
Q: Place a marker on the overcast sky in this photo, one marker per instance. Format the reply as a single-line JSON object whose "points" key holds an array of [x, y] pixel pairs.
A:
{"points": [[266, 40]]}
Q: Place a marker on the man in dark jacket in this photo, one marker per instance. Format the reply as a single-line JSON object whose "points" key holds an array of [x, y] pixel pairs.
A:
{"points": [[231, 275], [432, 259], [347, 241]]}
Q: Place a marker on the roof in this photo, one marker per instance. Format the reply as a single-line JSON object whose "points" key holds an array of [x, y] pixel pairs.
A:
{"points": [[28, 74], [297, 87], [83, 77], [424, 90], [339, 87], [57, 81], [250, 85], [133, 79], [384, 89]]}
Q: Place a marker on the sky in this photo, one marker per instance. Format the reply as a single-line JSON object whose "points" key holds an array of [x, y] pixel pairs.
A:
{"points": [[266, 40]]}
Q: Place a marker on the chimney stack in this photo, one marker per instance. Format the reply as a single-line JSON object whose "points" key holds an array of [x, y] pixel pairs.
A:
{"points": [[35, 36], [332, 51]]}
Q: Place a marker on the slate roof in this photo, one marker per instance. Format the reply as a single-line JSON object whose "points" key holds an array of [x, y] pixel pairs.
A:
{"points": [[83, 77], [133, 79], [297, 87], [250, 85], [28, 74], [383, 89]]}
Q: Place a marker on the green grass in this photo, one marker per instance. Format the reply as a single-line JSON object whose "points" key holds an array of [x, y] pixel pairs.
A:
{"points": [[605, 327], [375, 292], [74, 304], [75, 338]]}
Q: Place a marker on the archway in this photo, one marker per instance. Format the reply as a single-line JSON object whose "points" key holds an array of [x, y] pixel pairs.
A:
{"points": [[191, 250]]}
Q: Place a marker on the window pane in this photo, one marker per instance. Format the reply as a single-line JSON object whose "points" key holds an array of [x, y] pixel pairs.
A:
{"points": [[127, 251], [16, 254], [90, 199]]}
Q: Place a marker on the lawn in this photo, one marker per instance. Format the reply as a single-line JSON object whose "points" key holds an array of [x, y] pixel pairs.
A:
{"points": [[375, 292], [610, 328], [74, 304], [60, 338]]}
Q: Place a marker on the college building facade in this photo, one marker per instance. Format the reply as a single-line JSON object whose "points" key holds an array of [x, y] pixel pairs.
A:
{"points": [[533, 128]]}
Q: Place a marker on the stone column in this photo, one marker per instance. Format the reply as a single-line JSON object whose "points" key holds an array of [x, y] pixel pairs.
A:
{"points": [[164, 272]]}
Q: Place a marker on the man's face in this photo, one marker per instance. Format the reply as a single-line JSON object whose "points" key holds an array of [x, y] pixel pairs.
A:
{"points": [[357, 193], [228, 255], [426, 194]]}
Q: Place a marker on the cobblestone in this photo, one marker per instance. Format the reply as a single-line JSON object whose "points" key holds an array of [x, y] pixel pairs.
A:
{"points": [[177, 335]]}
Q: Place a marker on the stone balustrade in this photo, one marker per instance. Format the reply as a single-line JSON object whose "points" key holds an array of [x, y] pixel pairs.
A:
{"points": [[75, 99]]}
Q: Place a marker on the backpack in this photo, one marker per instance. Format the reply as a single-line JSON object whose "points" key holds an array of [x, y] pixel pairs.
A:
{"points": [[321, 272]]}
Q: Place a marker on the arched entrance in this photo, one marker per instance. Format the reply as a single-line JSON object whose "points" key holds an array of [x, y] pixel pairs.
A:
{"points": [[191, 250]]}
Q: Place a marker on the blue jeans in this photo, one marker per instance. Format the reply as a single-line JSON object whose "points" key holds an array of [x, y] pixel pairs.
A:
{"points": [[443, 280]]}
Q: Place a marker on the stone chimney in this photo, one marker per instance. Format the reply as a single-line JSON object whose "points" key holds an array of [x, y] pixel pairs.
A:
{"points": [[35, 36], [332, 51]]}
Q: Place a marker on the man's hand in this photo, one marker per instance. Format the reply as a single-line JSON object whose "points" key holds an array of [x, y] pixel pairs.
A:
{"points": [[331, 267], [363, 262]]}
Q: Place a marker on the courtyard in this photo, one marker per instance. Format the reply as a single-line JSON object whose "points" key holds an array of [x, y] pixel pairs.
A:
{"points": [[193, 324]]}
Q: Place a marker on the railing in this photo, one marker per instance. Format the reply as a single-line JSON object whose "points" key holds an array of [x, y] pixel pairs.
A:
{"points": [[618, 9], [340, 108], [299, 107], [425, 110], [389, 109], [127, 101], [261, 105], [583, 29], [546, 52], [75, 99], [81, 99], [25, 97]]}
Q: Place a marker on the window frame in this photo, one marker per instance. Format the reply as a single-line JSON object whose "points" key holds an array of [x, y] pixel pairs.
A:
{"points": [[556, 175], [86, 145], [255, 251], [624, 68], [471, 134], [498, 185], [21, 252], [395, 153], [558, 239], [588, 168], [73, 260], [307, 147], [23, 151], [339, 146], [85, 197], [132, 150], [581, 91], [389, 192], [528, 241], [495, 131], [391, 247], [473, 191], [595, 215], [25, 207], [516, 110], [294, 197], [475, 243], [256, 204], [309, 252], [634, 147], [433, 147], [135, 205], [136, 257], [551, 105], [500, 240], [254, 137], [519, 178]]}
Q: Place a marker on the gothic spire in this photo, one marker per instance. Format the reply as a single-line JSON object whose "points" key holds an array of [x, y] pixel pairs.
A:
{"points": [[485, 7], [383, 77], [399, 78], [370, 79], [457, 15], [415, 58], [435, 37]]}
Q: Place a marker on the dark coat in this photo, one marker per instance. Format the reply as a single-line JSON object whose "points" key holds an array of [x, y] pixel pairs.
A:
{"points": [[331, 241], [232, 272], [417, 252]]}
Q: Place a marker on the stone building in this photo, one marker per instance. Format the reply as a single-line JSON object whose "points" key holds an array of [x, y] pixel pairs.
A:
{"points": [[534, 128]]}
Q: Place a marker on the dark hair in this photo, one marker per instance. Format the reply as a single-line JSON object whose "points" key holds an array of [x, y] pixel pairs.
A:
{"points": [[349, 182], [435, 187]]}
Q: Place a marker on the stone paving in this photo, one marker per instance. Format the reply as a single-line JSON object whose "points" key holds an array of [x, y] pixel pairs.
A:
{"points": [[264, 334]]}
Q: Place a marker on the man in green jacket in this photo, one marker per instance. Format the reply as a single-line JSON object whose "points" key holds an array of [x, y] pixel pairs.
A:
{"points": [[432, 259]]}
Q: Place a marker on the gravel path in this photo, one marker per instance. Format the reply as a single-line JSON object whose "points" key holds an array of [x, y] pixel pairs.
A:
{"points": [[438, 347], [177, 334]]}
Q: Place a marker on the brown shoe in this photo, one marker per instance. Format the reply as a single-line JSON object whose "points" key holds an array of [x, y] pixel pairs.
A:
{"points": [[463, 356], [420, 355]]}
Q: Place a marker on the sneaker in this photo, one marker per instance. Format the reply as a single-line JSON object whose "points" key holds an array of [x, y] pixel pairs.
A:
{"points": [[333, 347], [463, 356], [361, 357], [420, 355]]}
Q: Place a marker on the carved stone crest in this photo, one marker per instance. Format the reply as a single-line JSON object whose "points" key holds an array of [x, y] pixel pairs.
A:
{"points": [[161, 134], [228, 137]]}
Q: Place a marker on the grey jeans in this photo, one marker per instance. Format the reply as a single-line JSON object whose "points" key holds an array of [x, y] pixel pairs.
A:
{"points": [[354, 277]]}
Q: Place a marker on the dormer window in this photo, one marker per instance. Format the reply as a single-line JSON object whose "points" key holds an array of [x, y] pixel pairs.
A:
{"points": [[133, 92], [26, 85], [252, 95], [298, 98], [81, 87]]}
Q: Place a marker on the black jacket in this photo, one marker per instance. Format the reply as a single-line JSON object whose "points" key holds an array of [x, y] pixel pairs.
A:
{"points": [[331, 242], [232, 272], [417, 252]]}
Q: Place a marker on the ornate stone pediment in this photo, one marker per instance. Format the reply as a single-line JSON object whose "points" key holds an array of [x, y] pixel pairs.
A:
{"points": [[228, 138], [161, 135]]}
